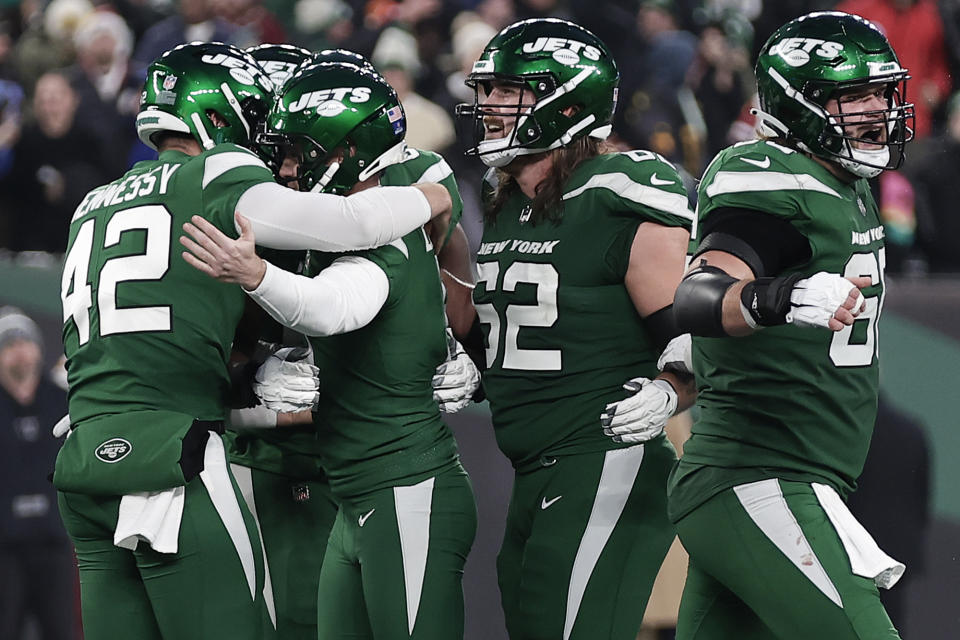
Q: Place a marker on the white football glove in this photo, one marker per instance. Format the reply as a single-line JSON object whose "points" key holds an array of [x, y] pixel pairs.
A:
{"points": [[678, 354], [288, 381], [816, 299], [62, 428], [456, 380], [641, 416]]}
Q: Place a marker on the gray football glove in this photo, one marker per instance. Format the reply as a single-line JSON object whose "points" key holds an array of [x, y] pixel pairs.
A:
{"points": [[677, 356], [456, 380], [641, 416], [288, 381]]}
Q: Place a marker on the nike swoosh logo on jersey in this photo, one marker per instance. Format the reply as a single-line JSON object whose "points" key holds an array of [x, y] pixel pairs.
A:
{"points": [[544, 503], [763, 164], [363, 519], [657, 182]]}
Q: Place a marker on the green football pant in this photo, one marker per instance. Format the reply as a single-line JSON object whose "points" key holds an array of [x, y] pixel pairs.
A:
{"points": [[209, 590], [294, 518], [584, 541], [393, 568], [766, 563]]}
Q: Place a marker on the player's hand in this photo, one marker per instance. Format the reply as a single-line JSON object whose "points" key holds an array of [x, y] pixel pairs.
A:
{"points": [[222, 257], [827, 300], [641, 416], [677, 356], [288, 381], [62, 428], [456, 380]]}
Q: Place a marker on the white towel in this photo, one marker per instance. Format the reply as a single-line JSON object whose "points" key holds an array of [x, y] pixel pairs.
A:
{"points": [[153, 517], [867, 559]]}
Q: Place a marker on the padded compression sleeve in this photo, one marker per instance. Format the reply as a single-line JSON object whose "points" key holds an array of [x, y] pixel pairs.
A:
{"points": [[286, 219], [345, 296]]}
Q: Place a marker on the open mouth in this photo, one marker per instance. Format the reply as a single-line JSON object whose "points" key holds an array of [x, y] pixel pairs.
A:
{"points": [[493, 129], [871, 138]]}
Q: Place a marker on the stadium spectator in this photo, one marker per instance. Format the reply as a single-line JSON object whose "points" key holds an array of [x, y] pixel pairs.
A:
{"points": [[429, 126], [649, 114], [915, 31], [36, 563], [194, 21], [719, 77], [934, 172], [54, 165], [107, 86], [46, 42]]}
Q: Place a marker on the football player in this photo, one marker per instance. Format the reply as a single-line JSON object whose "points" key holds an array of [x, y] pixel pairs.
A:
{"points": [[278, 470], [164, 546], [394, 560], [582, 250], [789, 256]]}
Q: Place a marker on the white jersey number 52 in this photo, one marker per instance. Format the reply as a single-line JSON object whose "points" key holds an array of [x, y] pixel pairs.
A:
{"points": [[517, 316]]}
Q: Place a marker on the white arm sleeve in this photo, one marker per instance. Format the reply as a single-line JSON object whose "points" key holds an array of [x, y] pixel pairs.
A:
{"points": [[345, 296], [258, 417], [286, 219]]}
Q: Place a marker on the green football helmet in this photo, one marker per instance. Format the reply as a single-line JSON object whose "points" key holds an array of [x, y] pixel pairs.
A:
{"points": [[343, 123], [280, 61], [826, 55], [213, 92], [560, 65], [344, 55]]}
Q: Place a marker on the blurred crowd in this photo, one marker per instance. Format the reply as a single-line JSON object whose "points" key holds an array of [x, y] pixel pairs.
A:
{"points": [[71, 71]]}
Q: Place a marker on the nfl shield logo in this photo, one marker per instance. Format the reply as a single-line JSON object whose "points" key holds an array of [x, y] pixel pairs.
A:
{"points": [[169, 82]]}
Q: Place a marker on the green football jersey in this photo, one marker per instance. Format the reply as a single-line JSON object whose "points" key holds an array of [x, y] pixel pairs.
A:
{"points": [[377, 422], [790, 402], [296, 452], [143, 330], [562, 335], [425, 166]]}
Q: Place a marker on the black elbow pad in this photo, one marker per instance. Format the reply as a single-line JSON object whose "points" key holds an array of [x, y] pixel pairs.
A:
{"points": [[698, 303]]}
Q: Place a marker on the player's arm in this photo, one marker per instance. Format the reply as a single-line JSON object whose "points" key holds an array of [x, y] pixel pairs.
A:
{"points": [[456, 271], [345, 296], [739, 280], [282, 218], [657, 260]]}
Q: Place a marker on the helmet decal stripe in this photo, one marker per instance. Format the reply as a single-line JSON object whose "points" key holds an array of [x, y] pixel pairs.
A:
{"points": [[235, 105], [793, 93]]}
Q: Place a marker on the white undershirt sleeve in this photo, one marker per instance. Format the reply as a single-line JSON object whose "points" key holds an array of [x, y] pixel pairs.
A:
{"points": [[345, 296], [258, 417], [283, 218]]}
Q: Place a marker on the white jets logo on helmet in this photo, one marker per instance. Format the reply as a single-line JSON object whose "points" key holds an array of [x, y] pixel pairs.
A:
{"points": [[796, 51], [278, 71], [550, 45], [313, 99], [240, 70]]}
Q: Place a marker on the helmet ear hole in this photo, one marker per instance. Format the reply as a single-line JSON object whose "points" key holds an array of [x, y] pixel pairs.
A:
{"points": [[218, 120]]}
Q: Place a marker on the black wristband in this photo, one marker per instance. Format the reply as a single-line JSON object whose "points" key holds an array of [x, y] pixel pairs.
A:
{"points": [[767, 300]]}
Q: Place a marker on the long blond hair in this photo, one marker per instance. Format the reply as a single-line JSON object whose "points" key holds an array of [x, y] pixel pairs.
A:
{"points": [[547, 204]]}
